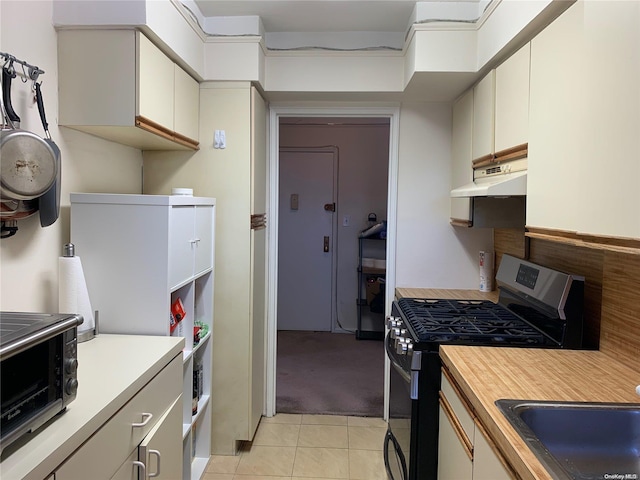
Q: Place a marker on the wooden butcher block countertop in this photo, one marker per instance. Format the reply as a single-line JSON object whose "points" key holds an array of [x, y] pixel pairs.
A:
{"points": [[436, 293], [486, 374]]}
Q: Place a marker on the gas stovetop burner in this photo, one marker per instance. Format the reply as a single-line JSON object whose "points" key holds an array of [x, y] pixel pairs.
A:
{"points": [[466, 321]]}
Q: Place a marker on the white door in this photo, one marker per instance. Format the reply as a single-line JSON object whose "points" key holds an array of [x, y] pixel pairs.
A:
{"points": [[306, 238]]}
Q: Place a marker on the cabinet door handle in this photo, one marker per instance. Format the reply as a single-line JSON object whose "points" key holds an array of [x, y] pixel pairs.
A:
{"points": [[195, 240], [157, 454], [146, 417], [142, 467]]}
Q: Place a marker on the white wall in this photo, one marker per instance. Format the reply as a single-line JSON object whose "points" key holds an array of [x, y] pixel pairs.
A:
{"points": [[29, 260], [363, 167], [430, 252]]}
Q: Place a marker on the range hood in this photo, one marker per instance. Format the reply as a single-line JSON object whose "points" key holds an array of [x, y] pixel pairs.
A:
{"points": [[507, 185], [504, 180]]}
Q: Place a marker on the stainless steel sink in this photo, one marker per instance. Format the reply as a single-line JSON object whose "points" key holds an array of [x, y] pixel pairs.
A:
{"points": [[580, 440]]}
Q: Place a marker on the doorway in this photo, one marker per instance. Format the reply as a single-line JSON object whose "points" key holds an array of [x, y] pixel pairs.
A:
{"points": [[391, 118], [306, 248]]}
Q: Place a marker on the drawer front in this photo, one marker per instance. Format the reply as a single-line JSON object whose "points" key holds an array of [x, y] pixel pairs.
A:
{"points": [[102, 455], [454, 459], [458, 407]]}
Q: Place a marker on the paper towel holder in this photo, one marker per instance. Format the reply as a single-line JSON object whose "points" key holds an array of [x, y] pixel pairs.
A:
{"points": [[89, 334], [69, 250]]}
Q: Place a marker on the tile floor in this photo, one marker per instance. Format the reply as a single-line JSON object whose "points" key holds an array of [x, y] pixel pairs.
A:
{"points": [[307, 447]]}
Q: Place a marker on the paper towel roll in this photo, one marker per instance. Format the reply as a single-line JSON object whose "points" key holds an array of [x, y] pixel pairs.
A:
{"points": [[73, 296], [486, 271]]}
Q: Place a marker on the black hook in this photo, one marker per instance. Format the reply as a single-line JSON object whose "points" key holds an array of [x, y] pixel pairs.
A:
{"points": [[7, 230]]}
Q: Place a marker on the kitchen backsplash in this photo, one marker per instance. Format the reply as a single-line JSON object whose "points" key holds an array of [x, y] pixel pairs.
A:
{"points": [[612, 293]]}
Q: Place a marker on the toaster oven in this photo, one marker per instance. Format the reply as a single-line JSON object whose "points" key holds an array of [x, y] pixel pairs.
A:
{"points": [[38, 365]]}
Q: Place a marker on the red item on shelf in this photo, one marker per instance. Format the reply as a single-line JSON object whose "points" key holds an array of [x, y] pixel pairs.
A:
{"points": [[177, 314]]}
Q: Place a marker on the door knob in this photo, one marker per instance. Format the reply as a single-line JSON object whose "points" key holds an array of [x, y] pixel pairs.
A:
{"points": [[326, 244]]}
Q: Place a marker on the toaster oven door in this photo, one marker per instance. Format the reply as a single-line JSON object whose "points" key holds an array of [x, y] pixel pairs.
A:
{"points": [[31, 388]]}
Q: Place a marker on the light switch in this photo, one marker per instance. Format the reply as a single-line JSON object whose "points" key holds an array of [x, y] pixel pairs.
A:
{"points": [[219, 139], [294, 201], [346, 220]]}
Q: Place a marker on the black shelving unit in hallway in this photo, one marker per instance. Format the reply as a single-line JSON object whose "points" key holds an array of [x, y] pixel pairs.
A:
{"points": [[371, 287]]}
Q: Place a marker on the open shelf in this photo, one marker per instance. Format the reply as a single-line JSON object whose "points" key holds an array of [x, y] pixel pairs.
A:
{"points": [[371, 285]]}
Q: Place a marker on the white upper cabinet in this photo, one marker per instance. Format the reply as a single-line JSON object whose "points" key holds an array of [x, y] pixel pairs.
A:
{"points": [[116, 84], [484, 116], [190, 242], [186, 106], [501, 108], [584, 121], [155, 83], [512, 100], [461, 171]]}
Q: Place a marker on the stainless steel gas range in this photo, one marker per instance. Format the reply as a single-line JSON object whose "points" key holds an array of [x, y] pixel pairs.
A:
{"points": [[537, 308]]}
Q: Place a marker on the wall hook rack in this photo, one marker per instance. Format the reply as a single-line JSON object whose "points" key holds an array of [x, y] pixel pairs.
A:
{"points": [[32, 72]]}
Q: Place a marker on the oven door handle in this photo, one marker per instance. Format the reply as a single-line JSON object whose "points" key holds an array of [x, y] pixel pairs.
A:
{"points": [[394, 363], [411, 379], [402, 463]]}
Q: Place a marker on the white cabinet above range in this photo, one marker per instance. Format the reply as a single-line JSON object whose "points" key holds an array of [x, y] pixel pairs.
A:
{"points": [[461, 145], [501, 110], [116, 84], [512, 101], [585, 120]]}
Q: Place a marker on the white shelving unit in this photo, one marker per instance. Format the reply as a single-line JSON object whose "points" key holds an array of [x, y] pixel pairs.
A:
{"points": [[140, 253]]}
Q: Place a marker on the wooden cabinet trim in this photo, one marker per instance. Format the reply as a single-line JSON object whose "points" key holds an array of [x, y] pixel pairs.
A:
{"points": [[258, 221], [513, 153], [157, 129], [458, 391], [457, 427], [483, 161], [186, 141], [459, 222], [600, 242]]}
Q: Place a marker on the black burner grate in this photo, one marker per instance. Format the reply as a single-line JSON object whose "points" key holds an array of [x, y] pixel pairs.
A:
{"points": [[469, 321]]}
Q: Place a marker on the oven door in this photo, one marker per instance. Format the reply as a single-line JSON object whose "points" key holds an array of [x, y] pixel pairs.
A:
{"points": [[397, 442]]}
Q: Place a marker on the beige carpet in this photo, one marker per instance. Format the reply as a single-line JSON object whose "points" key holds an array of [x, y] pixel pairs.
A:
{"points": [[329, 373]]}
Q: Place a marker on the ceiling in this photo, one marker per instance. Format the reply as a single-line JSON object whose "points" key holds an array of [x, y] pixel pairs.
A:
{"points": [[317, 15], [355, 24]]}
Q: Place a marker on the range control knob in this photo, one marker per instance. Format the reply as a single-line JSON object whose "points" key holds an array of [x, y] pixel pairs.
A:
{"points": [[393, 322], [410, 348], [404, 346], [400, 334], [71, 387], [71, 365]]}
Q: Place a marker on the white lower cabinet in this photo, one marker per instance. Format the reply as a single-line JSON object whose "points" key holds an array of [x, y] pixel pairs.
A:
{"points": [[159, 455], [150, 422], [159, 256], [129, 469], [486, 462], [465, 451], [455, 461]]}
